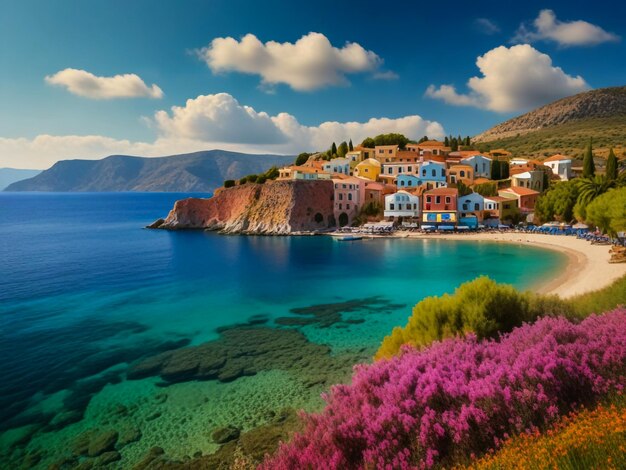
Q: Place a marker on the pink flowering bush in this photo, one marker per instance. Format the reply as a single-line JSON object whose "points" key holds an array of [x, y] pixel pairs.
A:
{"points": [[461, 396]]}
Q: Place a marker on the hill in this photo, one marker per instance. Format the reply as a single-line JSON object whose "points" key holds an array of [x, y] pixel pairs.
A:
{"points": [[11, 175], [565, 126], [193, 172]]}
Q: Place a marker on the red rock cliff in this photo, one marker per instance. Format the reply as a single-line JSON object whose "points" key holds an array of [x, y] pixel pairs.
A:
{"points": [[273, 208]]}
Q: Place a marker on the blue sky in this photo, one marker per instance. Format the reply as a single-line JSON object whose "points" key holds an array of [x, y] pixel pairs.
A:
{"points": [[412, 46]]}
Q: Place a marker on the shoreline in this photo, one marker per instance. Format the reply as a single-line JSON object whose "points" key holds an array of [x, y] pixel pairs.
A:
{"points": [[587, 267]]}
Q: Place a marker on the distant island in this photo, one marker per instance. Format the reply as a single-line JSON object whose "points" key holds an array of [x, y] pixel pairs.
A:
{"points": [[9, 176], [193, 172]]}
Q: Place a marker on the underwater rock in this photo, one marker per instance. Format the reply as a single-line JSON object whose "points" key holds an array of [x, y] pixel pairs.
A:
{"points": [[107, 458], [225, 434], [128, 435], [63, 419], [153, 416], [150, 460], [101, 442]]}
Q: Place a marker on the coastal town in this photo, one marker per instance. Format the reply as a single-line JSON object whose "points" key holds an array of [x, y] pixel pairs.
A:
{"points": [[428, 185]]}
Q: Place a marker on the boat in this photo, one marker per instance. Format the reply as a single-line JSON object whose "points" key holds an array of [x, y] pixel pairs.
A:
{"points": [[347, 238]]}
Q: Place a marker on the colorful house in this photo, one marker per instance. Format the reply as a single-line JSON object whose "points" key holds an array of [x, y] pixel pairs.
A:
{"points": [[461, 173], [375, 192], [480, 164], [530, 180], [433, 147], [440, 206], [402, 204], [337, 165], [349, 197], [502, 209], [385, 153], [433, 174], [405, 181], [389, 171], [302, 173], [526, 198], [369, 169], [359, 154], [560, 165], [471, 208]]}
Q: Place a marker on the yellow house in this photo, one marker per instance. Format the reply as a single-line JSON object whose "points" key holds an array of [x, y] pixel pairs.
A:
{"points": [[463, 173], [369, 168]]}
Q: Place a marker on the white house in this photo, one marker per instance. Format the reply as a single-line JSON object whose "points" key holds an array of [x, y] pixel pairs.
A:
{"points": [[337, 165], [529, 179], [560, 165], [402, 204], [480, 164]]}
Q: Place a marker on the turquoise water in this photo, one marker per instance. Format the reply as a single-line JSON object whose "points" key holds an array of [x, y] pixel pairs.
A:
{"points": [[85, 291]]}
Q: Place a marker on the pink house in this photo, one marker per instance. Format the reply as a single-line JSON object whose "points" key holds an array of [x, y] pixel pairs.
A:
{"points": [[349, 198]]}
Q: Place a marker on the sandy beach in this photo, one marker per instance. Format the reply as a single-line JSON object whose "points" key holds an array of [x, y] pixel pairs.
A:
{"points": [[588, 268]]}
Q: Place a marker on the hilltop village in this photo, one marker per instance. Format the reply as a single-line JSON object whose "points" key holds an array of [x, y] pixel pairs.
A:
{"points": [[427, 184]]}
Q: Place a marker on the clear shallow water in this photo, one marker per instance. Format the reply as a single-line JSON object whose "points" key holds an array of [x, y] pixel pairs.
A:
{"points": [[84, 290]]}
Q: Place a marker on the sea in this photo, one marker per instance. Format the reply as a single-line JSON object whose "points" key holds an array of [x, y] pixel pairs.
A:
{"points": [[107, 325]]}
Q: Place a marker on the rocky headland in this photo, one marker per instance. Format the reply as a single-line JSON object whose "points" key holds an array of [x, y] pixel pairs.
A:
{"points": [[273, 208]]}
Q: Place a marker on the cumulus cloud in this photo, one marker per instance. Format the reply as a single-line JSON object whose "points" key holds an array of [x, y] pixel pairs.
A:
{"points": [[486, 26], [88, 85], [513, 79], [566, 33], [310, 63], [208, 122]]}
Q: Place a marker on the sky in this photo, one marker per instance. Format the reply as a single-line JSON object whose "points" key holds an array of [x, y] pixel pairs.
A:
{"points": [[86, 79]]}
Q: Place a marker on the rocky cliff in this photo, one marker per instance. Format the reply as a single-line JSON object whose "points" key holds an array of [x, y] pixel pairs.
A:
{"points": [[273, 208]]}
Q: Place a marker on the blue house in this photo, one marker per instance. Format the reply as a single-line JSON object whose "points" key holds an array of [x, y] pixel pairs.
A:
{"points": [[471, 208], [433, 173], [480, 164], [408, 181]]}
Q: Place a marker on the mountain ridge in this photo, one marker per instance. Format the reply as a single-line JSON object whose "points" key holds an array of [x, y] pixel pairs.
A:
{"points": [[192, 172]]}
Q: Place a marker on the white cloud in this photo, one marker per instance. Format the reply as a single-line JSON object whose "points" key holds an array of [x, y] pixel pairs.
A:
{"points": [[566, 33], [513, 79], [311, 62], [88, 85], [486, 26], [208, 122], [386, 75]]}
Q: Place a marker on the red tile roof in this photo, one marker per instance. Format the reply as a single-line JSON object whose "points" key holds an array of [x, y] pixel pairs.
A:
{"points": [[520, 191], [444, 191]]}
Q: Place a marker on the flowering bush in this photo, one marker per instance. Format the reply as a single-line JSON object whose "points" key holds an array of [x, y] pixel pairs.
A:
{"points": [[461, 396], [588, 439]]}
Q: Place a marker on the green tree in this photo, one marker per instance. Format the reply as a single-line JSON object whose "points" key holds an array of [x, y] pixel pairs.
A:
{"points": [[468, 141], [454, 144], [333, 150], [608, 211], [302, 158], [446, 141], [591, 188], [423, 139], [368, 143], [611, 166], [558, 202], [486, 189], [589, 168], [252, 178], [463, 189], [350, 146], [272, 173], [342, 149], [229, 183]]}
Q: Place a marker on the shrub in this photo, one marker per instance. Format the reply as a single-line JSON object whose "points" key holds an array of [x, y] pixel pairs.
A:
{"points": [[587, 439], [229, 183], [600, 300], [480, 306], [461, 396], [252, 178]]}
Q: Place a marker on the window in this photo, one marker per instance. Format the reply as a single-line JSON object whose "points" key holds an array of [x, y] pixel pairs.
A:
{"points": [[390, 151], [438, 200], [428, 199], [434, 173], [350, 197], [423, 172], [462, 173], [409, 168], [348, 206], [443, 172], [392, 206], [381, 151], [344, 186], [448, 199], [401, 182], [476, 206], [465, 207], [389, 170], [341, 196], [339, 206]]}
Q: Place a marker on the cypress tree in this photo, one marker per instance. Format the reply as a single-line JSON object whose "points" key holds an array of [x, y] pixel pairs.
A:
{"points": [[589, 169], [446, 142], [611, 166], [333, 150], [350, 146]]}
